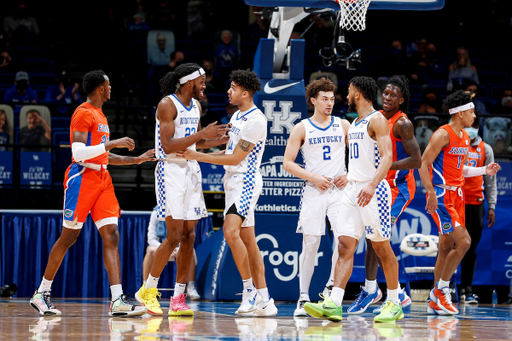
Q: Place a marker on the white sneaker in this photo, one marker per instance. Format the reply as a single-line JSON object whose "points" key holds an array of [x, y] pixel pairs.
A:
{"points": [[266, 308], [250, 299], [192, 293], [300, 311], [327, 291]]}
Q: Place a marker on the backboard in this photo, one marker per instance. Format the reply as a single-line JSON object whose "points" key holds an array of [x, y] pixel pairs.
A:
{"points": [[409, 5]]}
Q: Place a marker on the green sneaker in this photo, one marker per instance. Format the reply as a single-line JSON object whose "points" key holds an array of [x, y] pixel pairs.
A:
{"points": [[390, 313], [324, 309]]}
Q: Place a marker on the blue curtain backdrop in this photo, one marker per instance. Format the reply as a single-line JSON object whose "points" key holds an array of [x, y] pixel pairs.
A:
{"points": [[27, 238]]}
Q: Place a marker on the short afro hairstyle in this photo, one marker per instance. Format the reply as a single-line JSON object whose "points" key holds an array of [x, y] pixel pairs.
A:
{"points": [[246, 79], [458, 98], [313, 88], [92, 80], [366, 86]]}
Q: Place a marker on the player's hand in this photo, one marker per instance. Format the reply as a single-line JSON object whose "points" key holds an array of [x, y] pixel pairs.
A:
{"points": [[214, 130], [431, 206], [341, 181], [124, 142], [492, 169], [322, 182], [147, 156], [187, 154], [365, 196], [491, 216]]}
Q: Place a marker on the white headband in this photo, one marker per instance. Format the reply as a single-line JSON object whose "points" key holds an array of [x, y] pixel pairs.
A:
{"points": [[464, 107], [193, 75]]}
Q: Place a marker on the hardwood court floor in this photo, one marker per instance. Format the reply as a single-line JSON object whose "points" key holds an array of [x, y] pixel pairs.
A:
{"points": [[88, 319]]}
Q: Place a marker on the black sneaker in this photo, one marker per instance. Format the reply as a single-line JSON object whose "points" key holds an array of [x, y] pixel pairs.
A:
{"points": [[471, 299], [508, 301]]}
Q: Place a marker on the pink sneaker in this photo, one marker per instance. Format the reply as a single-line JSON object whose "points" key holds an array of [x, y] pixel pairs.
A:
{"points": [[179, 307]]}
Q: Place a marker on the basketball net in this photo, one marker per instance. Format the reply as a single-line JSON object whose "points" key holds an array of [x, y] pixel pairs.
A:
{"points": [[353, 14]]}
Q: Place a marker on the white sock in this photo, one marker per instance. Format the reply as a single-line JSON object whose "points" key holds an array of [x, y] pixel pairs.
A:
{"points": [[46, 285], [152, 282], [116, 290], [370, 286], [304, 296], [265, 296], [393, 296], [307, 259], [179, 289], [442, 284], [337, 295], [247, 283]]}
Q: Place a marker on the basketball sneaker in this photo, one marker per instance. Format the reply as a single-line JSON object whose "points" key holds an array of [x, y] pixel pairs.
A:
{"points": [[148, 298], [327, 291], [265, 308], [250, 300], [121, 307], [405, 301], [433, 309], [363, 300], [179, 307], [443, 298], [299, 311], [42, 302], [326, 309], [192, 292], [390, 313], [471, 299]]}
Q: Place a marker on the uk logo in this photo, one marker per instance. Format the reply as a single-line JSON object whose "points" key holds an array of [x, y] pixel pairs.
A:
{"points": [[284, 118], [368, 229]]}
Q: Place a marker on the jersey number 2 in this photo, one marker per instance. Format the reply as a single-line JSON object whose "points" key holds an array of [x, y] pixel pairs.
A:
{"points": [[327, 151]]}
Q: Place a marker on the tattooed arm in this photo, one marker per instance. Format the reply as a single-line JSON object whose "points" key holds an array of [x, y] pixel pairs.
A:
{"points": [[241, 151], [404, 130], [114, 159]]}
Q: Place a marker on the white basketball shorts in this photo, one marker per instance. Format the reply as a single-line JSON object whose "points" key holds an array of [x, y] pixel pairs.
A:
{"points": [[179, 191], [243, 190], [315, 205], [374, 219]]}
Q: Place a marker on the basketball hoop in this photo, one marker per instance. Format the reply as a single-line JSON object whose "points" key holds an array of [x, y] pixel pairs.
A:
{"points": [[353, 14]]}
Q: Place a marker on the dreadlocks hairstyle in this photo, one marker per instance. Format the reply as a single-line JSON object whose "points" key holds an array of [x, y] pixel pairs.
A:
{"points": [[170, 83], [246, 79], [402, 83], [458, 98], [313, 88], [92, 80], [366, 86]]}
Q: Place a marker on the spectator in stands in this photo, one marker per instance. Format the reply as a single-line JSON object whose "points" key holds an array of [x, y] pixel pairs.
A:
{"points": [[460, 70], [138, 23], [504, 104], [212, 83], [6, 62], [207, 116], [431, 102], [20, 22], [36, 132], [227, 53], [21, 92], [395, 60], [164, 16], [431, 70], [472, 86], [199, 13], [177, 58], [65, 91], [230, 110], [5, 130], [160, 54], [260, 27]]}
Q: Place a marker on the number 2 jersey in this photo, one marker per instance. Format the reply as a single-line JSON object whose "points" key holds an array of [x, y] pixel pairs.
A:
{"points": [[185, 124]]}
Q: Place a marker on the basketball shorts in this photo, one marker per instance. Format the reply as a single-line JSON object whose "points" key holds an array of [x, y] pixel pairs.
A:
{"points": [[373, 219], [87, 190], [401, 196], [315, 205], [179, 191], [451, 210], [243, 190]]}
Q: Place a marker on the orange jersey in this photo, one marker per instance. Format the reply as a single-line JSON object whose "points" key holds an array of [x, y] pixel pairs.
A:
{"points": [[474, 186], [448, 165], [395, 177], [91, 119]]}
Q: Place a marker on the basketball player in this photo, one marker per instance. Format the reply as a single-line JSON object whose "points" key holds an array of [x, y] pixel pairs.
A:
{"points": [[400, 177], [322, 140], [365, 203], [442, 173], [88, 188], [243, 185], [177, 181]]}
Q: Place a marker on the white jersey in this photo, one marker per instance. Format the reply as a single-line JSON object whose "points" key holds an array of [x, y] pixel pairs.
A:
{"points": [[250, 126], [185, 124], [364, 156], [323, 150]]}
